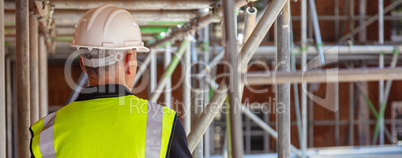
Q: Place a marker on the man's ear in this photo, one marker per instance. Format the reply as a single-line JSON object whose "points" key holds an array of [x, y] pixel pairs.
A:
{"points": [[82, 65], [127, 61]]}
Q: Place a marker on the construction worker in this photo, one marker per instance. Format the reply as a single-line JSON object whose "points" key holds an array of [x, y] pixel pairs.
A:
{"points": [[106, 120]]}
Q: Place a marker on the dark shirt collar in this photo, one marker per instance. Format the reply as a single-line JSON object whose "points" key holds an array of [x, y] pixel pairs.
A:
{"points": [[103, 91]]}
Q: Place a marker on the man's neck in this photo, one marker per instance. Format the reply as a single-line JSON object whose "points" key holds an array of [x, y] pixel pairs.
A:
{"points": [[97, 82]]}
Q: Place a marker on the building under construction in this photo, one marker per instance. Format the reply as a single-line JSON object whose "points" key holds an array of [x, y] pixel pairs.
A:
{"points": [[248, 78]]}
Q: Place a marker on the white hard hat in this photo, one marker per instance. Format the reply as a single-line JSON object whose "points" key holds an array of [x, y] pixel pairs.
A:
{"points": [[108, 27]]}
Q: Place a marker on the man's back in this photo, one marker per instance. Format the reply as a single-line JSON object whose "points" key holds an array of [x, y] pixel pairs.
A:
{"points": [[111, 124]]}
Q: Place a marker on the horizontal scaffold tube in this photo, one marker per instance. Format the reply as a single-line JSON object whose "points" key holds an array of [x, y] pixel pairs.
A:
{"points": [[317, 76], [340, 50]]}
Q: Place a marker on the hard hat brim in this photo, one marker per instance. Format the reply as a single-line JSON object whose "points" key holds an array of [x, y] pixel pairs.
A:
{"points": [[138, 48]]}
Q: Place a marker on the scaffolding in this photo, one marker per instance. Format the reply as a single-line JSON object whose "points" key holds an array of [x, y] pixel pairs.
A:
{"points": [[34, 40]]}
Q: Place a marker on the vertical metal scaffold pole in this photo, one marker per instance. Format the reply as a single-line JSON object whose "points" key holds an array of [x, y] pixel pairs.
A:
{"points": [[295, 87], [186, 89], [310, 108], [43, 84], [14, 110], [22, 72], [166, 61], [2, 86], [283, 97], [351, 18], [303, 64], [362, 13], [152, 73], [196, 97], [381, 65], [381, 99], [34, 67], [206, 90], [351, 112], [336, 12], [236, 126], [381, 21], [9, 108], [336, 113]]}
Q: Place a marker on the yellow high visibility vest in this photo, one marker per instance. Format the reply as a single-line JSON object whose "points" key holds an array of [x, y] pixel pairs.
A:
{"points": [[124, 126]]}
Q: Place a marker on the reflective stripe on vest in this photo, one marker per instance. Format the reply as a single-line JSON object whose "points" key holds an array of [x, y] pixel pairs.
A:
{"points": [[42, 142], [98, 128], [154, 131]]}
